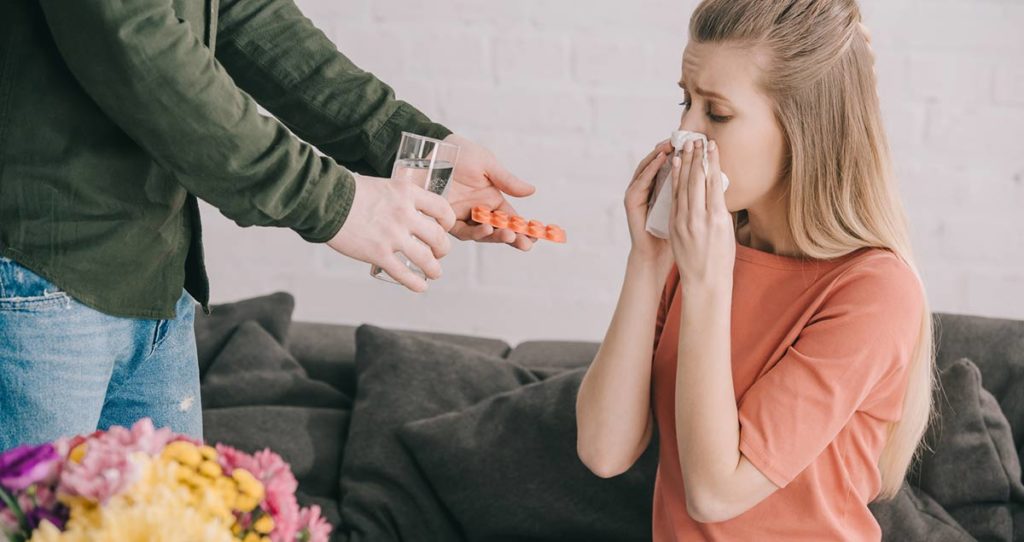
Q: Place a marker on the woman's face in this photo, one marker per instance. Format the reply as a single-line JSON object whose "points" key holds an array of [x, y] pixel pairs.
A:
{"points": [[724, 101]]}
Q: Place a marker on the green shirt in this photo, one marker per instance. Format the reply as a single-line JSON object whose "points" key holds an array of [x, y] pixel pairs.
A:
{"points": [[116, 115]]}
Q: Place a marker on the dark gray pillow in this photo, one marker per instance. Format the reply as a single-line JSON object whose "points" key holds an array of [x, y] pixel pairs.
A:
{"points": [[913, 515], [272, 312], [996, 347], [974, 471], [311, 440], [253, 369], [507, 469], [401, 378], [328, 351]]}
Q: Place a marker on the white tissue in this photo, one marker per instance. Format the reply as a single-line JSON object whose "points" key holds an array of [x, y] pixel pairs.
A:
{"points": [[659, 211]]}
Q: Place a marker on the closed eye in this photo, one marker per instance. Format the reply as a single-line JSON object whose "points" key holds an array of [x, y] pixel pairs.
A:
{"points": [[714, 118]]}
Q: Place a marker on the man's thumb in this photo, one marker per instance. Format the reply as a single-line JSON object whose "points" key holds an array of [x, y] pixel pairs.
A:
{"points": [[508, 183]]}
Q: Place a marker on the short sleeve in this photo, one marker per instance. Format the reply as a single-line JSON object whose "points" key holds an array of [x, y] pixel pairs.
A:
{"points": [[666, 303], [864, 331]]}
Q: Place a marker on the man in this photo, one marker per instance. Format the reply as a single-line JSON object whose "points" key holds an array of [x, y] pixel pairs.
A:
{"points": [[114, 117]]}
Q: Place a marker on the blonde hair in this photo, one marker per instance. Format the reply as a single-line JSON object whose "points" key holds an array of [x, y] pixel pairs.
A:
{"points": [[818, 73]]}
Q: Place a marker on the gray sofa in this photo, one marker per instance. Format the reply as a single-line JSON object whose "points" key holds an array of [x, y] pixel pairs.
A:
{"points": [[968, 488]]}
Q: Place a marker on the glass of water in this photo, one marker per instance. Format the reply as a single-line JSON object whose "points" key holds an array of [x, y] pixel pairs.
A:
{"points": [[427, 163]]}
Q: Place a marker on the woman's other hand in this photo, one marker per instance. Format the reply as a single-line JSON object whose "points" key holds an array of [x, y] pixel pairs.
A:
{"points": [[646, 247]]}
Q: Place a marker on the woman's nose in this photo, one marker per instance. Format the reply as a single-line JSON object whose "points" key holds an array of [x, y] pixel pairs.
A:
{"points": [[691, 122]]}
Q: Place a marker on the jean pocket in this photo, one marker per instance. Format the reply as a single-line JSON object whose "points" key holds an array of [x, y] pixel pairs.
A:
{"points": [[23, 289]]}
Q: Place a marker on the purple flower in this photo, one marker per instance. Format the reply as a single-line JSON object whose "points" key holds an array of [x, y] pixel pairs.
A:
{"points": [[26, 465], [58, 516]]}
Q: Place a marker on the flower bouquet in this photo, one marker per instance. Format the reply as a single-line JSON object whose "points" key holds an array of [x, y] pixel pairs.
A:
{"points": [[150, 485]]}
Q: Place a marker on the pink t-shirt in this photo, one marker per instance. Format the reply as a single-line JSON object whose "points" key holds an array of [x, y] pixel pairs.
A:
{"points": [[819, 357]]}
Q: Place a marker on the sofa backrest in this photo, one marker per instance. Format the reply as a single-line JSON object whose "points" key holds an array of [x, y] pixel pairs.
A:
{"points": [[995, 345]]}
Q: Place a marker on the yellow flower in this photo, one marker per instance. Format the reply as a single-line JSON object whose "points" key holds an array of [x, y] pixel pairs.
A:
{"points": [[246, 503], [183, 452], [248, 484], [227, 490], [157, 508], [264, 525], [210, 469], [77, 453], [209, 453]]}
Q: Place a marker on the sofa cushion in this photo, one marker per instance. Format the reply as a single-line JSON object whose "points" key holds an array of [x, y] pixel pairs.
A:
{"points": [[404, 377], [974, 471], [311, 440], [552, 356], [253, 369], [328, 351], [272, 312], [913, 515], [996, 346], [507, 469]]}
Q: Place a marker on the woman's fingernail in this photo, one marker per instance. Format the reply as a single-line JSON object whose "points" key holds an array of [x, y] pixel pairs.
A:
{"points": [[712, 146], [677, 161], [688, 146]]}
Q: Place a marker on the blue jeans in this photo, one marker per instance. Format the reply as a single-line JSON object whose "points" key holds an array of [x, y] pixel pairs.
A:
{"points": [[68, 369]]}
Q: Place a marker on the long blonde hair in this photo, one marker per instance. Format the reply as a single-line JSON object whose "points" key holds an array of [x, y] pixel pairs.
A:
{"points": [[819, 76]]}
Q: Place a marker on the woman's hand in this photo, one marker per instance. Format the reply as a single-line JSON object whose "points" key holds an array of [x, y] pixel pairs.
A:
{"points": [[702, 234], [646, 247]]}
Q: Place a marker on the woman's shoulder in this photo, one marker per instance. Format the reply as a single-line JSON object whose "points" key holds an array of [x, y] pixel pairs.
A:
{"points": [[878, 265], [880, 279]]}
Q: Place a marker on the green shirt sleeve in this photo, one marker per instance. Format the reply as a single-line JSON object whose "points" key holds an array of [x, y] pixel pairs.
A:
{"points": [[148, 71], [291, 68]]}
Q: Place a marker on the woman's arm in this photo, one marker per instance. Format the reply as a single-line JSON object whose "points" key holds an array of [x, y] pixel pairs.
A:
{"points": [[613, 408], [613, 411], [720, 482]]}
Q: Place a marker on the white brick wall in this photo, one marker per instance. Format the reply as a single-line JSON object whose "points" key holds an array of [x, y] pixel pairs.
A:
{"points": [[571, 94]]}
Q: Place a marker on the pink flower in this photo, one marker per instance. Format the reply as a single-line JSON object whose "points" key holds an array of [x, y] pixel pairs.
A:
{"points": [[106, 468], [279, 485], [313, 525], [8, 522]]}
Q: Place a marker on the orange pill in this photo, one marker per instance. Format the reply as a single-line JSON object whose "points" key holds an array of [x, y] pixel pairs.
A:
{"points": [[481, 214], [517, 224], [555, 234], [499, 219]]}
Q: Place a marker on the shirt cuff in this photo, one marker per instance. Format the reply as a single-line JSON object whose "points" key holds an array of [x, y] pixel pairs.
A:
{"points": [[763, 463], [330, 212], [384, 143]]}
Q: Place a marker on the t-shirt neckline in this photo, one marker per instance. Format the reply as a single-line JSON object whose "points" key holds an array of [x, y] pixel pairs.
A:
{"points": [[760, 257]]}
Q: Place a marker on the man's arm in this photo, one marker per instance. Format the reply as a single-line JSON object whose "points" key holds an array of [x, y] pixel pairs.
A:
{"points": [[291, 68], [150, 73]]}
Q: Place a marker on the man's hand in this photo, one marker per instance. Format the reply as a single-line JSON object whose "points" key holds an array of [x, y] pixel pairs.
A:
{"points": [[480, 180], [384, 219]]}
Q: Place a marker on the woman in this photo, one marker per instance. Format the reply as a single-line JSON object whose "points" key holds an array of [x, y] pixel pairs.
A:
{"points": [[789, 368]]}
